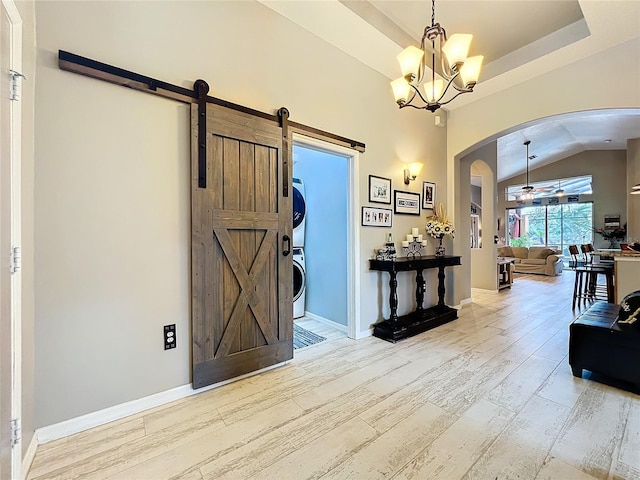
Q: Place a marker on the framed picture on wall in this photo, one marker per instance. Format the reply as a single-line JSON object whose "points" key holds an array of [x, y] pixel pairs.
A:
{"points": [[376, 217], [379, 190], [428, 195], [406, 203]]}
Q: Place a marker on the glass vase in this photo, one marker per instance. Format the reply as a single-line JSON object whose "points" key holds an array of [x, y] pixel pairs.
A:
{"points": [[440, 249]]}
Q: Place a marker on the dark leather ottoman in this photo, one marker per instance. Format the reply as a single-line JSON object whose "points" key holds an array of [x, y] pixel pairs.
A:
{"points": [[598, 344]]}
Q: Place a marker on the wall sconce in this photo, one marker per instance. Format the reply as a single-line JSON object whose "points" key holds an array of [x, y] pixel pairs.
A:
{"points": [[635, 190], [411, 172]]}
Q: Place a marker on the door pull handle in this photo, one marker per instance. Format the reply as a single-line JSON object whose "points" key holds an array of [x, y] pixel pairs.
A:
{"points": [[286, 241]]}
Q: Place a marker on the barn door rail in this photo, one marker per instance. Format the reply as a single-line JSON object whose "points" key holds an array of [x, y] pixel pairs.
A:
{"points": [[71, 62]]}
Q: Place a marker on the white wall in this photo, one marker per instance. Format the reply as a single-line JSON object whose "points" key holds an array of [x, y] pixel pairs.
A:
{"points": [[325, 179], [633, 178], [112, 201]]}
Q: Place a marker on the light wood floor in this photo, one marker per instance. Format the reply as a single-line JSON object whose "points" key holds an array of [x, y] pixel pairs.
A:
{"points": [[487, 396]]}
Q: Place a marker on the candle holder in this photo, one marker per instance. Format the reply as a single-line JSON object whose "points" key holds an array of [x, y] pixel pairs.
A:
{"points": [[414, 248], [388, 252]]}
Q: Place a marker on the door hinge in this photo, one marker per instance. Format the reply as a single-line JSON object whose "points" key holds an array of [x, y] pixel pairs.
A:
{"points": [[15, 432], [14, 95], [15, 260]]}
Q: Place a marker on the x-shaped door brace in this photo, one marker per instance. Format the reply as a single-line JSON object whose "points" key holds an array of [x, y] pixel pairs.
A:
{"points": [[248, 295]]}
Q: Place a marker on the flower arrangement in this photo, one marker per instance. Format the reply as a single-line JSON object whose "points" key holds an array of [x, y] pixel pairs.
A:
{"points": [[437, 225], [617, 234]]}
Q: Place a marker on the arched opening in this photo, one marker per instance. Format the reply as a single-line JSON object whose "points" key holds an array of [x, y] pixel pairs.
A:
{"points": [[482, 201], [562, 128]]}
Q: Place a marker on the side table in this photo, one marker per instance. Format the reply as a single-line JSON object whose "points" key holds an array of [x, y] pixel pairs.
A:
{"points": [[505, 272], [422, 319]]}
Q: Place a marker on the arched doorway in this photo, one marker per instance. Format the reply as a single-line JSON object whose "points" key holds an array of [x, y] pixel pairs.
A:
{"points": [[482, 201]]}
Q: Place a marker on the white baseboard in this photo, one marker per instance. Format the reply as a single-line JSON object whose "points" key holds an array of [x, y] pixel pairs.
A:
{"points": [[364, 334], [326, 321], [110, 414], [484, 290], [29, 455], [463, 302]]}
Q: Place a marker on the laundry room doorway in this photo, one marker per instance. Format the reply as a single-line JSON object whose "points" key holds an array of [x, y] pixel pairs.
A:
{"points": [[325, 220]]}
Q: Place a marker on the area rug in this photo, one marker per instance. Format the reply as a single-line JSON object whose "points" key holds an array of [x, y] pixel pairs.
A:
{"points": [[303, 337]]}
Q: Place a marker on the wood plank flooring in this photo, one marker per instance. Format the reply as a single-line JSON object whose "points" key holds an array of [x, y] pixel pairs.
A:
{"points": [[488, 396]]}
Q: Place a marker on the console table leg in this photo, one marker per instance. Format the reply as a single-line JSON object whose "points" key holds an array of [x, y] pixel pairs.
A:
{"points": [[440, 286], [393, 296], [420, 288]]}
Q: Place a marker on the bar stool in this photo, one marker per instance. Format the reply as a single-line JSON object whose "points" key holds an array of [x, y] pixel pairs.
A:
{"points": [[595, 290], [576, 260], [582, 273], [585, 287]]}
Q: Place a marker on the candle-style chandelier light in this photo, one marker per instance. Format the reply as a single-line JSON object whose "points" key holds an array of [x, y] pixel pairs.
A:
{"points": [[457, 73]]}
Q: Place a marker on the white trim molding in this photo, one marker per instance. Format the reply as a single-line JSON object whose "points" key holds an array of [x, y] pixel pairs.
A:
{"points": [[110, 414], [353, 229], [326, 321], [484, 290], [29, 455], [463, 302], [364, 334]]}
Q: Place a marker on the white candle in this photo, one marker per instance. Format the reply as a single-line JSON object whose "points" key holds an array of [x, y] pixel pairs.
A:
{"points": [[424, 243], [409, 238], [414, 232], [420, 238], [405, 243]]}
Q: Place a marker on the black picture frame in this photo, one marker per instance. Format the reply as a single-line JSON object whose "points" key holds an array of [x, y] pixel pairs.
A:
{"points": [[406, 203], [376, 217], [428, 195], [379, 189]]}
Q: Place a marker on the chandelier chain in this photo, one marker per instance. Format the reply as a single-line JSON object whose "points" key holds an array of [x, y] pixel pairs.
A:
{"points": [[433, 12]]}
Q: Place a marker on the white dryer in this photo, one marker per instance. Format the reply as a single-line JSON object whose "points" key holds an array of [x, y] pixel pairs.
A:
{"points": [[299, 283], [299, 212]]}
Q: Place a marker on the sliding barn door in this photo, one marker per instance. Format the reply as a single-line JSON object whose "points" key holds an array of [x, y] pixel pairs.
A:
{"points": [[242, 308]]}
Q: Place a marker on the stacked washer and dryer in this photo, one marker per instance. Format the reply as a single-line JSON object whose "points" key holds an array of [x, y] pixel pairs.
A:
{"points": [[299, 268]]}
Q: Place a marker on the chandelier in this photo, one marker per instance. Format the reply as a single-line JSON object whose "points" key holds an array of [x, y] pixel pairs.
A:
{"points": [[456, 70]]}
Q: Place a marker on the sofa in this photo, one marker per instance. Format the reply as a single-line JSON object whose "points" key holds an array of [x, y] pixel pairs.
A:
{"points": [[540, 260]]}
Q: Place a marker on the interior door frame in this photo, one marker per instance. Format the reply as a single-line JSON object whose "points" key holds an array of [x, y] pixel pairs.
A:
{"points": [[353, 232], [15, 227]]}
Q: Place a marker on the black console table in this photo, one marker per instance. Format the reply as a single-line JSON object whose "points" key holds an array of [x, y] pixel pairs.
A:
{"points": [[423, 319]]}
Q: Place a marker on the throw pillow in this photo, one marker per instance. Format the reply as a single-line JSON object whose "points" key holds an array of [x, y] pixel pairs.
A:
{"points": [[629, 313], [520, 252], [505, 251], [540, 253], [546, 252]]}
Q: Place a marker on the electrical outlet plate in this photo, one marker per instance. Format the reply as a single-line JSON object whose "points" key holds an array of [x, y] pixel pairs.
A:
{"points": [[169, 336]]}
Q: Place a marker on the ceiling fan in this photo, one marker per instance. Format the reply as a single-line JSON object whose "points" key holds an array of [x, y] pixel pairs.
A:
{"points": [[528, 190], [556, 190]]}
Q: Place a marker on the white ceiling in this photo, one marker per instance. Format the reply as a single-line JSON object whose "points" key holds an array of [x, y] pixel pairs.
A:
{"points": [[520, 40], [561, 137]]}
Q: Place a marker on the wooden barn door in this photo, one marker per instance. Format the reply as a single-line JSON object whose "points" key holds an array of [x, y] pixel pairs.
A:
{"points": [[242, 308]]}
